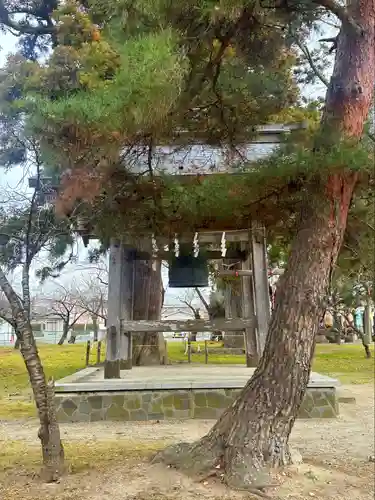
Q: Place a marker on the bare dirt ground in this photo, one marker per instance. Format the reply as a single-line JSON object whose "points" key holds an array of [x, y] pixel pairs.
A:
{"points": [[335, 452]]}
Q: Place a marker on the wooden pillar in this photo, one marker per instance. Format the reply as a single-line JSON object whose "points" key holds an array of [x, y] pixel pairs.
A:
{"points": [[248, 311], [233, 307], [120, 302], [260, 283]]}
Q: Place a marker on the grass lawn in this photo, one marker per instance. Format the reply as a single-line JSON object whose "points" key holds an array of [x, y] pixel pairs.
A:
{"points": [[345, 362], [58, 361], [20, 464], [82, 456]]}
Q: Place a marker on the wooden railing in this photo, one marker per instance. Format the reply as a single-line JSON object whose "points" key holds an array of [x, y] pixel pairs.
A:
{"points": [[98, 352], [194, 325]]}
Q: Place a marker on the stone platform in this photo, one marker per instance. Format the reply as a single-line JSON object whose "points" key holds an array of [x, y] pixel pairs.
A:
{"points": [[172, 392]]}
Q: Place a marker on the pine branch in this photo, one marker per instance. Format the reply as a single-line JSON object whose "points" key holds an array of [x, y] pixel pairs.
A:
{"points": [[23, 28], [370, 226], [341, 13], [330, 40], [307, 54], [9, 292], [30, 252]]}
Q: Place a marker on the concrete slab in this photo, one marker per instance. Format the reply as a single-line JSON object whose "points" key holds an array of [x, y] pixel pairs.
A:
{"points": [[179, 376]]}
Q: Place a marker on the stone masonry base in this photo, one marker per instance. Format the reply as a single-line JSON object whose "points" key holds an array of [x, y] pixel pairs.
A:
{"points": [[173, 404]]}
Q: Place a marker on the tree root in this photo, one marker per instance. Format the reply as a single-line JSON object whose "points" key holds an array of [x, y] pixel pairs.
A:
{"points": [[189, 458], [204, 459]]}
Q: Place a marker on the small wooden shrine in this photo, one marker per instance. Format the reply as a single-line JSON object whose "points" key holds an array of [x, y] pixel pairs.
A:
{"points": [[188, 256]]}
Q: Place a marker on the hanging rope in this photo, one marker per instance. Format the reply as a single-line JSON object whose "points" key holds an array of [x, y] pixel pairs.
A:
{"points": [[155, 251], [196, 245], [223, 245], [176, 246]]}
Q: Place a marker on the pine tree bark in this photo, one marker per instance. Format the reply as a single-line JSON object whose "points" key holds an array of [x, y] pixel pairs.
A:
{"points": [[252, 435], [49, 432]]}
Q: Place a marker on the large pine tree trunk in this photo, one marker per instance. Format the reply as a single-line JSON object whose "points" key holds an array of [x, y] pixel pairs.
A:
{"points": [[148, 348], [252, 435], [49, 432]]}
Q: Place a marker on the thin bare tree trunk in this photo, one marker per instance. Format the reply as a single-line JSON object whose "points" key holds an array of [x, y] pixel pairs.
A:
{"points": [[252, 435], [366, 337], [360, 335], [95, 325], [72, 339], [65, 333], [49, 432]]}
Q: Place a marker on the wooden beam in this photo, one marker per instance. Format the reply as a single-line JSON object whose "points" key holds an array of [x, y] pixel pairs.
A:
{"points": [[211, 255], [207, 237], [261, 285], [120, 289], [271, 133], [248, 311], [220, 324], [235, 272]]}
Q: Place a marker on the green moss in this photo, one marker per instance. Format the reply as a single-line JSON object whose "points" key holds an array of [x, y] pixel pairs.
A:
{"points": [[132, 402], [139, 415], [307, 405], [146, 398], [181, 403], [155, 416], [84, 407], [116, 412], [200, 399], [204, 413], [108, 400], [62, 416], [168, 401], [96, 416], [303, 413], [69, 407], [118, 399], [156, 406], [217, 400], [96, 402], [327, 412]]}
